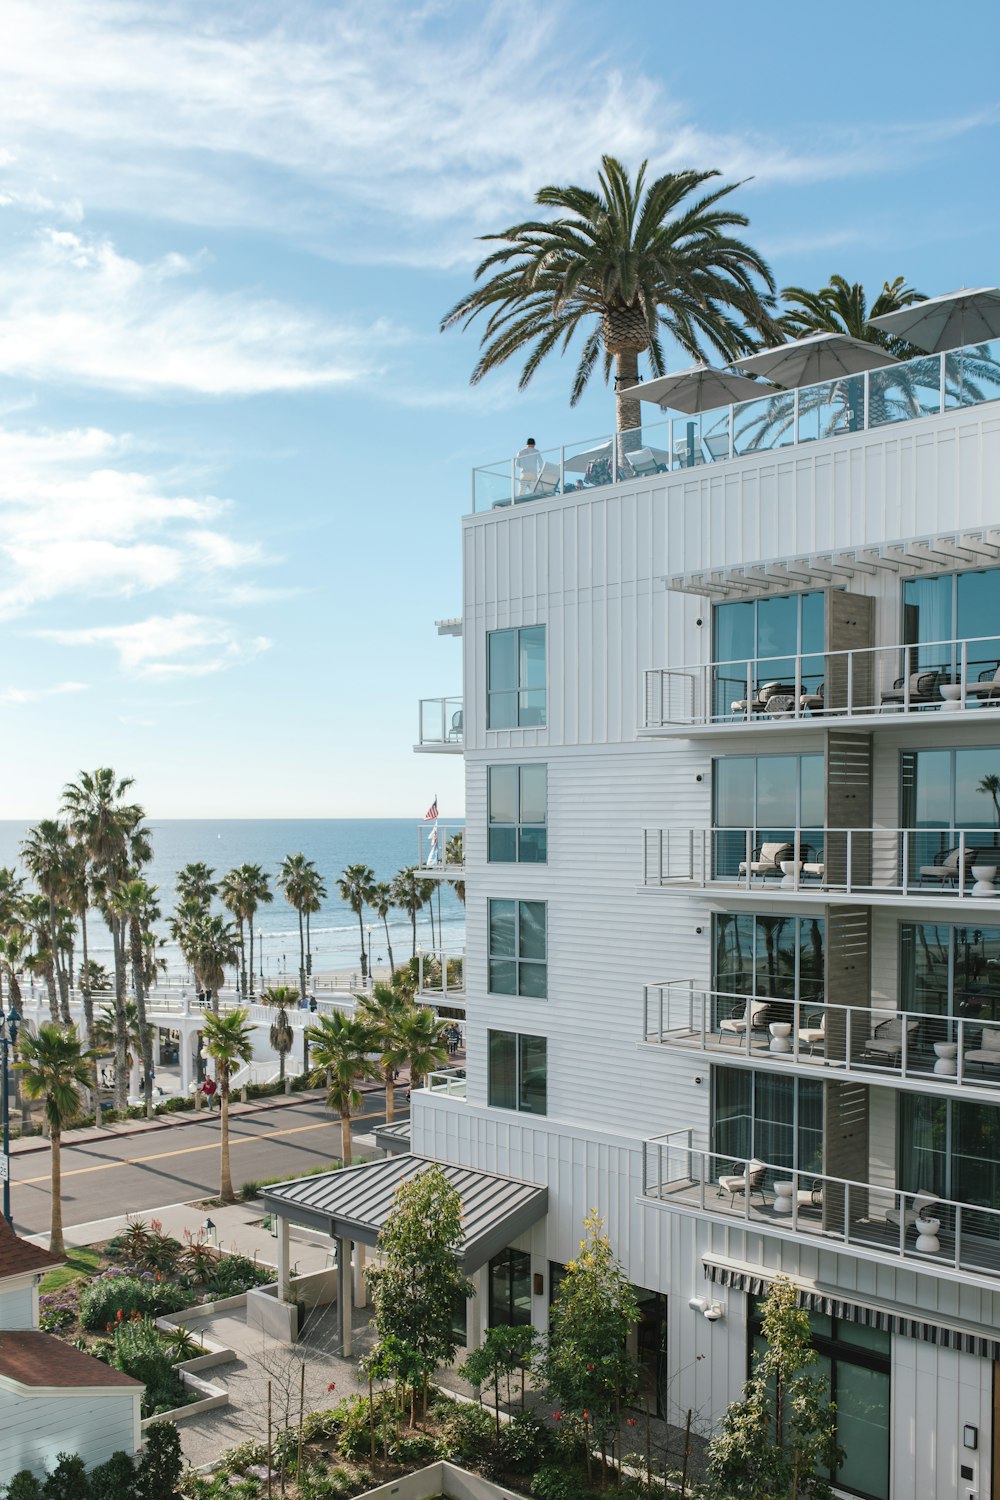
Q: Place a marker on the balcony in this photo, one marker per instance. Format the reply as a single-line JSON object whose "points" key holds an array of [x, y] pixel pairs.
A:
{"points": [[875, 1044], [960, 1241], [441, 979], [441, 726], [880, 866], [448, 1081], [904, 392], [873, 685], [441, 850]]}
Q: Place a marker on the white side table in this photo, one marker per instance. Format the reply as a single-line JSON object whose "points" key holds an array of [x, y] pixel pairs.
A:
{"points": [[783, 1192], [781, 1036], [927, 1236], [951, 692], [984, 876], [947, 1058]]}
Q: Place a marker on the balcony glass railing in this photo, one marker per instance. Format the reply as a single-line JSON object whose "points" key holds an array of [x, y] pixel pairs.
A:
{"points": [[441, 722], [924, 863], [957, 1050], [932, 676], [441, 978], [441, 850], [450, 1081], [903, 392], [922, 1229]]}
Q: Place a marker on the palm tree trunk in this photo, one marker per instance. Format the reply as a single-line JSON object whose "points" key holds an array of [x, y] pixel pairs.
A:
{"points": [[121, 1021], [225, 1175], [145, 1042], [50, 985], [302, 957], [56, 1227], [309, 949], [628, 408], [243, 962], [88, 1002], [345, 1137], [250, 925], [413, 922], [61, 980], [390, 1096], [364, 956], [388, 944], [433, 939]]}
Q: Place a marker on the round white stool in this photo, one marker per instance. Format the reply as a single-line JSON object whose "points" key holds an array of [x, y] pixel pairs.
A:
{"points": [[927, 1236], [781, 1034], [947, 1058], [783, 1192], [984, 876]]}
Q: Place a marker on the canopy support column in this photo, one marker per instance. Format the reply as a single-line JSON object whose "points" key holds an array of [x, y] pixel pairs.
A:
{"points": [[344, 1292]]}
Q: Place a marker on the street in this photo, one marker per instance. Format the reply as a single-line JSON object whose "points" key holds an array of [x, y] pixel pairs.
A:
{"points": [[138, 1172]]}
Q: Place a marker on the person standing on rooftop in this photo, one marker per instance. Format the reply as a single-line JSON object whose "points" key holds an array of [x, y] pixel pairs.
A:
{"points": [[529, 466]]}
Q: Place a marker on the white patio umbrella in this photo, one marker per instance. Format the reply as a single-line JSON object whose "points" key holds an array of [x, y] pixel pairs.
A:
{"points": [[701, 388], [970, 316], [821, 356]]}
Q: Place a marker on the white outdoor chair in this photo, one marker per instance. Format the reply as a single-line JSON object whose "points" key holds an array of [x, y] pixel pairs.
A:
{"points": [[813, 1033], [945, 866], [752, 1016], [748, 1180], [717, 444], [886, 1041], [766, 860], [987, 1054], [643, 461], [547, 483], [922, 1202]]}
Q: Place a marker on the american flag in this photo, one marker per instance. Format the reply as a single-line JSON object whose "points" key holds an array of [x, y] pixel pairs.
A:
{"points": [[432, 811]]}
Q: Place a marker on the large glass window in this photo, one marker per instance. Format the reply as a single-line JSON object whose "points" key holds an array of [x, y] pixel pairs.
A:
{"points": [[778, 1120], [856, 1361], [518, 1072], [762, 638], [518, 948], [510, 1289], [517, 815], [764, 799], [952, 1147], [947, 792], [515, 674], [952, 607], [947, 970], [777, 957]]}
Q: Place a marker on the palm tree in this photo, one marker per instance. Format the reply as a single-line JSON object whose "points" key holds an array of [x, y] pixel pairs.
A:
{"points": [[384, 1008], [408, 894], [623, 263], [355, 886], [46, 854], [229, 1040], [314, 897], [135, 903], [257, 892], [340, 1047], [213, 947], [54, 1067], [11, 899], [76, 888], [990, 787], [381, 902], [422, 1042], [232, 889], [38, 924], [196, 882], [105, 1031], [295, 884], [454, 854], [282, 1035]]}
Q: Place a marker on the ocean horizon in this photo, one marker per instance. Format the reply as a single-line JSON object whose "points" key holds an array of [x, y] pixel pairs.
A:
{"points": [[386, 844]]}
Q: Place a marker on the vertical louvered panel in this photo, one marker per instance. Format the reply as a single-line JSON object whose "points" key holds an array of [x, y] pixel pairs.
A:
{"points": [[845, 1153], [848, 805], [850, 626], [848, 977]]}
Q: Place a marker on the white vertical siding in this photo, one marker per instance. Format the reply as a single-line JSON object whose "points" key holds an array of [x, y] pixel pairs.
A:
{"points": [[17, 1307], [34, 1430]]}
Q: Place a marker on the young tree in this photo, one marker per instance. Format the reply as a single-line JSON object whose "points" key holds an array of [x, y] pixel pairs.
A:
{"points": [[340, 1047], [503, 1352], [421, 1041], [781, 1439], [54, 1068], [229, 1040], [586, 1366], [415, 1288]]}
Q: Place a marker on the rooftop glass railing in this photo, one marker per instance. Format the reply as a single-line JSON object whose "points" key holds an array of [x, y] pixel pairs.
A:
{"points": [[441, 723], [913, 388]]}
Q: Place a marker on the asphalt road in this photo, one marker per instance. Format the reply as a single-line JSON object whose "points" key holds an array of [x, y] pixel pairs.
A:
{"points": [[138, 1172]]}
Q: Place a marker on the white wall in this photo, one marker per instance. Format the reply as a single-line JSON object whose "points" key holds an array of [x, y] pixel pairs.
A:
{"points": [[34, 1430], [17, 1305]]}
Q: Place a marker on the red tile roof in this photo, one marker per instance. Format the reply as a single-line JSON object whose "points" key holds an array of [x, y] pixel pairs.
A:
{"points": [[41, 1359], [18, 1256]]}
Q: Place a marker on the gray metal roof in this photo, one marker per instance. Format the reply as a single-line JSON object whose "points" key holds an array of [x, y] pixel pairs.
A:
{"points": [[355, 1203], [393, 1138]]}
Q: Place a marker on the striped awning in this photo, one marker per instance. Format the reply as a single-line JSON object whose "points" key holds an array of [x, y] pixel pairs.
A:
{"points": [[818, 1299], [355, 1203]]}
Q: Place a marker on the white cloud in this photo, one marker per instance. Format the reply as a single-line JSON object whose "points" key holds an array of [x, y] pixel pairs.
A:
{"points": [[14, 697], [73, 307], [167, 647]]}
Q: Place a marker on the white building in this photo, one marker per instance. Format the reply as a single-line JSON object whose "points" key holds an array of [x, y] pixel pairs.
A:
{"points": [[725, 740]]}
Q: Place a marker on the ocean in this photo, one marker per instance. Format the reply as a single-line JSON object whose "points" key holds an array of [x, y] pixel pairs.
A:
{"points": [[387, 844]]}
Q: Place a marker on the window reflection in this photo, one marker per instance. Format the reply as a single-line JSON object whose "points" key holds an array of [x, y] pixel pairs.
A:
{"points": [[946, 609], [766, 798], [760, 639]]}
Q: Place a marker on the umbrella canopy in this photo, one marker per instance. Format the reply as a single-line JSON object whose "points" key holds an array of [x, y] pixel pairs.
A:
{"points": [[948, 322], [701, 388], [821, 356]]}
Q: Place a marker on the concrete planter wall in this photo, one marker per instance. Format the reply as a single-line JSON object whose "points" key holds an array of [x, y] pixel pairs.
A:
{"points": [[441, 1481], [281, 1319], [191, 1370]]}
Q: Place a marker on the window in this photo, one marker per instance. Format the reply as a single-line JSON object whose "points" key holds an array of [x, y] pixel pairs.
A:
{"points": [[517, 815], [947, 792], [518, 1072], [951, 607], [510, 1289], [765, 799], [952, 1147], [515, 675], [780, 958], [517, 962], [762, 638], [948, 971], [856, 1362], [778, 1120]]}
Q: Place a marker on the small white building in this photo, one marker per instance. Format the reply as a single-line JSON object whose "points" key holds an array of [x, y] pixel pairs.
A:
{"points": [[53, 1398]]}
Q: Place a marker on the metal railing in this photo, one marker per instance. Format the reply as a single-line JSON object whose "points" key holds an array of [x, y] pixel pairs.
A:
{"points": [[441, 978], [934, 676], [919, 862], [903, 392], [920, 1228], [441, 850], [959, 1049], [450, 1081], [441, 722]]}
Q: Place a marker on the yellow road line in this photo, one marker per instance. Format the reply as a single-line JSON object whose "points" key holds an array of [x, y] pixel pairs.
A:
{"points": [[138, 1161]]}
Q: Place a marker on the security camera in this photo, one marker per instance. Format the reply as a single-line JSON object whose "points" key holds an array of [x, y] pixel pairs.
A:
{"points": [[713, 1312]]}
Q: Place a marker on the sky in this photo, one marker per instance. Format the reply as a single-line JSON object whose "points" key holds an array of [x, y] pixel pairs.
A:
{"points": [[234, 446]]}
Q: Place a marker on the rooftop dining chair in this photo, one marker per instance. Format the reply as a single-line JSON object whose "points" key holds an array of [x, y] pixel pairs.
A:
{"points": [[752, 1015], [767, 858], [945, 866], [813, 1033], [745, 1178]]}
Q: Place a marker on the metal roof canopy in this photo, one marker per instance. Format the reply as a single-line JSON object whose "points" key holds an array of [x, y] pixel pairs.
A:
{"points": [[355, 1203], [393, 1138], [955, 549]]}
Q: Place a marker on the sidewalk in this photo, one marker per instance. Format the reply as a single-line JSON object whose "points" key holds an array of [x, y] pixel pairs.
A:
{"points": [[237, 1230]]}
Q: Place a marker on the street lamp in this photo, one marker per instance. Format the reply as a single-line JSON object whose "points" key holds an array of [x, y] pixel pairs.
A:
{"points": [[8, 1037]]}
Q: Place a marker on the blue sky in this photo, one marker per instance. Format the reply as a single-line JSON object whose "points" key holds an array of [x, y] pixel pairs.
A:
{"points": [[233, 446]]}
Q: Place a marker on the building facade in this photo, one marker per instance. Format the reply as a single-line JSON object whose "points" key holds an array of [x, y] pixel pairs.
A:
{"points": [[731, 855]]}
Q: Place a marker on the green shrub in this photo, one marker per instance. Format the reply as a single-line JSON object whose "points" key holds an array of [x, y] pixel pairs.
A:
{"points": [[320, 1483], [320, 1426], [235, 1460], [234, 1274], [353, 1420], [24, 1486], [416, 1448], [115, 1480], [161, 1465], [525, 1443], [68, 1480], [553, 1483], [469, 1434], [113, 1294], [140, 1351]]}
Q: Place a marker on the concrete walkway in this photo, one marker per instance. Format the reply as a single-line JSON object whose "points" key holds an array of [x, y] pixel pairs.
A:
{"points": [[237, 1229]]}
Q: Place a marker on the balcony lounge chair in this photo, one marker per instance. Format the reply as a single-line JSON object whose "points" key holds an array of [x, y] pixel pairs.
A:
{"points": [[717, 444], [922, 1202], [812, 702], [547, 483], [923, 689], [644, 461], [945, 867], [762, 697], [886, 1041], [746, 1178], [987, 689], [987, 1054], [455, 732], [813, 1033], [752, 1014], [767, 859]]}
